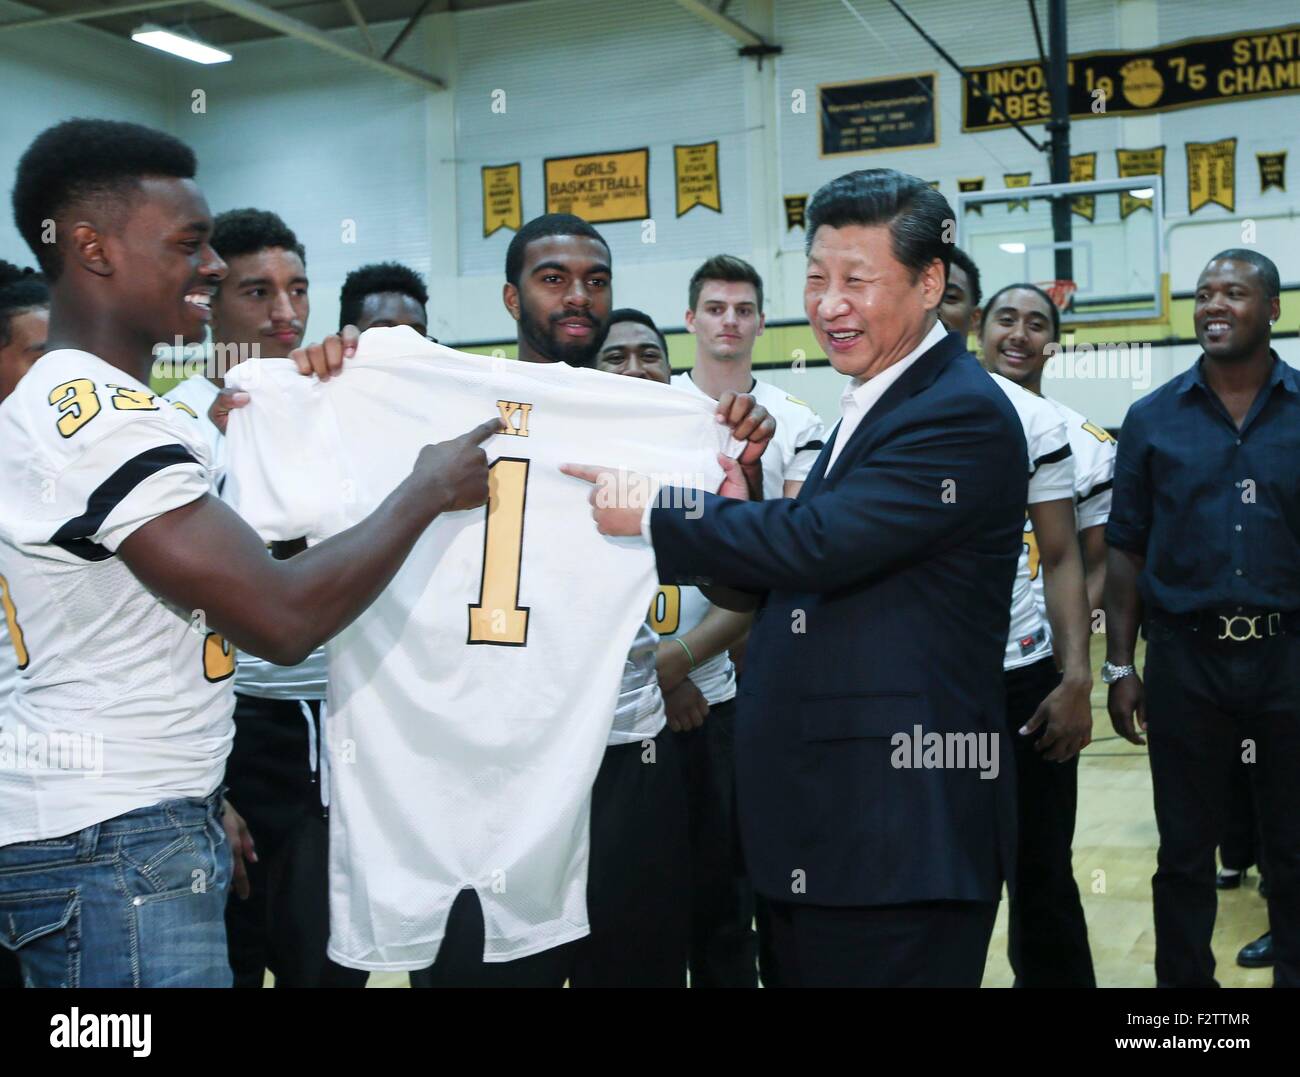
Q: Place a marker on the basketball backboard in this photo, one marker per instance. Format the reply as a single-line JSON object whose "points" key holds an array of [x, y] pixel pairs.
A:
{"points": [[1105, 238]]}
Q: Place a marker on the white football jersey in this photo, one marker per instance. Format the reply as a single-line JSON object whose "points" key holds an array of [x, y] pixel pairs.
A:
{"points": [[1093, 450], [113, 683], [1051, 477], [800, 435], [253, 676], [469, 706], [8, 650], [639, 713]]}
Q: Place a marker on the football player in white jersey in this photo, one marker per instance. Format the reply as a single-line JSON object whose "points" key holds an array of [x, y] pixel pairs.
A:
{"points": [[725, 315], [698, 681], [24, 318], [132, 585], [1048, 936]]}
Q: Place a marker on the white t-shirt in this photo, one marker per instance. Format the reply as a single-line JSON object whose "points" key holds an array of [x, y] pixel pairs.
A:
{"points": [[800, 434], [114, 679], [1051, 477], [253, 676], [469, 706], [1093, 450]]}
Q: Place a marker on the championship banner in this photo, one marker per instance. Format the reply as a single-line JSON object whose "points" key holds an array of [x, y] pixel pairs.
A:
{"points": [[1184, 74], [878, 114], [503, 204], [601, 188], [1150, 162], [1017, 179], [969, 185], [1272, 170], [1212, 174], [1083, 167], [696, 172], [795, 205]]}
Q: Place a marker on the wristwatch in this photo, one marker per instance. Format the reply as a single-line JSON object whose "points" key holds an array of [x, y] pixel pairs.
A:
{"points": [[1110, 673]]}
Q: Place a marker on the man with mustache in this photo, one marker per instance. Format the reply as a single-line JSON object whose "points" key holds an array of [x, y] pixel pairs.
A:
{"points": [[1204, 538]]}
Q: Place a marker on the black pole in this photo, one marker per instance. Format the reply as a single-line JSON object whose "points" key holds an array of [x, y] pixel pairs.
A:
{"points": [[1058, 58]]}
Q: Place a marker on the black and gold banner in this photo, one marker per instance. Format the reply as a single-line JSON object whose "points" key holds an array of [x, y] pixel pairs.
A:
{"points": [[1083, 167], [878, 114], [1272, 170], [1212, 174], [968, 185], [1017, 179], [696, 174], [1148, 162], [503, 203], [1184, 74], [795, 207], [600, 187]]}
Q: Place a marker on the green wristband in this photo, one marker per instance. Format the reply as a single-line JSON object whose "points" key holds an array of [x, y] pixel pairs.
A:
{"points": [[686, 649]]}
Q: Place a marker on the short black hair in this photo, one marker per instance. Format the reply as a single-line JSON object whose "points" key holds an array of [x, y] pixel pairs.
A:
{"points": [[247, 231], [1056, 311], [919, 217], [81, 161], [374, 280], [631, 314], [1268, 274], [20, 290], [548, 224], [967, 264], [724, 267]]}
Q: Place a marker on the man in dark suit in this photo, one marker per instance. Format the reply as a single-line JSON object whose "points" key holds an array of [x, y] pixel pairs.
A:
{"points": [[877, 817]]}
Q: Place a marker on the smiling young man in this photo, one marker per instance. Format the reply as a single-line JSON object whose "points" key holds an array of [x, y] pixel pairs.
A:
{"points": [[132, 585], [883, 612], [1204, 538]]}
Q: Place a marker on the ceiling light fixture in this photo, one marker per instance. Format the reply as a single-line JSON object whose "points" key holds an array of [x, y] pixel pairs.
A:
{"points": [[185, 47]]}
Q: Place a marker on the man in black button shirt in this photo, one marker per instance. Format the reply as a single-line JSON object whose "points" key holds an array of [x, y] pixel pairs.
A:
{"points": [[1204, 538]]}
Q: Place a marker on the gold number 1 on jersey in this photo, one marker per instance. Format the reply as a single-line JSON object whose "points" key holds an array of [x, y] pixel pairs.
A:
{"points": [[498, 618]]}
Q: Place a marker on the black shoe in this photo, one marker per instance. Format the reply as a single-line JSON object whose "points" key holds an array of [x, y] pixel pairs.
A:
{"points": [[1229, 880], [1257, 954]]}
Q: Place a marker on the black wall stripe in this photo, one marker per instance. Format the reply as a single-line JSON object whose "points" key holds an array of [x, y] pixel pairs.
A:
{"points": [[74, 536]]}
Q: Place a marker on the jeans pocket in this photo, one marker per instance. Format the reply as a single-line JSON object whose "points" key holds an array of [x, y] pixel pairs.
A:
{"points": [[48, 922]]}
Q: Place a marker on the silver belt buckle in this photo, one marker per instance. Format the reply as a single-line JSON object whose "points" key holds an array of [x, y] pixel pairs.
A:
{"points": [[1228, 630]]}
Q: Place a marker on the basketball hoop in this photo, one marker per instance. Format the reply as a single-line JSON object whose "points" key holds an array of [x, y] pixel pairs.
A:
{"points": [[1061, 291]]}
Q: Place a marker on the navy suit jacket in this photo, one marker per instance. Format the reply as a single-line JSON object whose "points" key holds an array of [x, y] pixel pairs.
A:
{"points": [[887, 605]]}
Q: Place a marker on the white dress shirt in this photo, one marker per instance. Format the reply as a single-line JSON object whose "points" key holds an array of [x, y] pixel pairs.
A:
{"points": [[861, 395]]}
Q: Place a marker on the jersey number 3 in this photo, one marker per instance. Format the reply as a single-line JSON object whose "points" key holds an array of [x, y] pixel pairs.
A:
{"points": [[497, 618]]}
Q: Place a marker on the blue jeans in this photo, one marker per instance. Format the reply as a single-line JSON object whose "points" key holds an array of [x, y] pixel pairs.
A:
{"points": [[134, 901]]}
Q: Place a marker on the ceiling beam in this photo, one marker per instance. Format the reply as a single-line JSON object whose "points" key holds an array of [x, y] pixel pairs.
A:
{"points": [[87, 13], [359, 20], [291, 27], [727, 25]]}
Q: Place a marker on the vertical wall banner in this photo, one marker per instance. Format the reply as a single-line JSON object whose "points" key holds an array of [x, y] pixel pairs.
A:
{"points": [[968, 185], [600, 187], [1017, 179], [1083, 167], [503, 204], [1148, 162], [696, 173], [1272, 170], [1212, 174], [795, 206]]}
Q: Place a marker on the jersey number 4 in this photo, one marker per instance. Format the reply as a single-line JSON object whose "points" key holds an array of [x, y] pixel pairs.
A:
{"points": [[497, 618]]}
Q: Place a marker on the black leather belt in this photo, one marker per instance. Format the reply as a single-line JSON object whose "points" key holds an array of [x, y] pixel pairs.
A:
{"points": [[1238, 626]]}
